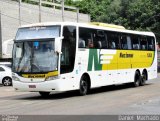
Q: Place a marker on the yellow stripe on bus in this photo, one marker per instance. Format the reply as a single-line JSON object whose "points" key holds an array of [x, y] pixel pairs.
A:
{"points": [[54, 73], [125, 59]]}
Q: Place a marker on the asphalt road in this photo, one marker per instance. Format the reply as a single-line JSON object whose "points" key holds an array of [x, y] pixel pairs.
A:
{"points": [[115, 100]]}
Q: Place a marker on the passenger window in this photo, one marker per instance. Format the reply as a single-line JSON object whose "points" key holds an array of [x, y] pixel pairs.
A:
{"points": [[83, 35], [113, 40], [86, 37], [101, 39], [135, 42], [144, 43], [129, 43], [81, 43], [151, 45], [125, 42], [91, 38]]}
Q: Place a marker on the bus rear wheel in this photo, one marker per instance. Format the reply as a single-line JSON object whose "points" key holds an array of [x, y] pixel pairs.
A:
{"points": [[137, 79], [143, 79], [44, 94], [84, 86]]}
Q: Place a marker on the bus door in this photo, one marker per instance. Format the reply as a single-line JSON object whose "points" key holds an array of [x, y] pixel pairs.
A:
{"points": [[68, 49]]}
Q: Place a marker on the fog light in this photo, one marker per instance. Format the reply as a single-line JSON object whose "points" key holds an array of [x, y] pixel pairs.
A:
{"points": [[51, 78]]}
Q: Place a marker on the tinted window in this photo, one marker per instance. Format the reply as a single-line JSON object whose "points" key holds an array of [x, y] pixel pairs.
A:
{"points": [[101, 39], [151, 43], [92, 38], [135, 42], [144, 43], [125, 41], [68, 49], [87, 38], [113, 40]]}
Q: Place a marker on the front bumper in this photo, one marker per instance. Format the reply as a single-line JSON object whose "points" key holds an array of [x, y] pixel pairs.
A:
{"points": [[47, 86]]}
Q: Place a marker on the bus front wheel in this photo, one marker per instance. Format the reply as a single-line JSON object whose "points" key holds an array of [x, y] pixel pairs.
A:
{"points": [[84, 86]]}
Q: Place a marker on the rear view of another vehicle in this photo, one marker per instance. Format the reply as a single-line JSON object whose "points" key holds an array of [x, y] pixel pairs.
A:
{"points": [[5, 75]]}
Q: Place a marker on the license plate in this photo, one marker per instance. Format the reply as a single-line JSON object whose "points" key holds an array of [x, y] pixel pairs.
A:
{"points": [[32, 86]]}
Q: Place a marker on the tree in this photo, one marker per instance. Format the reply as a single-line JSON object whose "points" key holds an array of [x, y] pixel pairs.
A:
{"points": [[132, 14], [95, 8]]}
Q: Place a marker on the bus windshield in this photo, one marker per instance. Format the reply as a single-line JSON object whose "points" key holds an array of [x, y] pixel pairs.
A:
{"points": [[34, 56]]}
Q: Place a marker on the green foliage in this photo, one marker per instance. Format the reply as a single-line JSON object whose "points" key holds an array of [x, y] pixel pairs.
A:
{"points": [[96, 8], [132, 14]]}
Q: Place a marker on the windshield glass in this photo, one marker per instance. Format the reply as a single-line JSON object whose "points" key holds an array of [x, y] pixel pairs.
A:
{"points": [[40, 32], [34, 56]]}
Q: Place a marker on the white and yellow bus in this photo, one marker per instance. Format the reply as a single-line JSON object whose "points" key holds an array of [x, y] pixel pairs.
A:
{"points": [[56, 57]]}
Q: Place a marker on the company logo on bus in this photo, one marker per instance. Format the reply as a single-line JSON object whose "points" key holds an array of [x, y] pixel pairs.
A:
{"points": [[97, 58], [36, 76]]}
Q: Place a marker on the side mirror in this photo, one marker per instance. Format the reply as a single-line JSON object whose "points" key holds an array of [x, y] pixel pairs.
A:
{"points": [[57, 44]]}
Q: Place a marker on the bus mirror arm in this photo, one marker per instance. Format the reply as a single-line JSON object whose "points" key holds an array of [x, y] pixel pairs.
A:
{"points": [[58, 52], [57, 44]]}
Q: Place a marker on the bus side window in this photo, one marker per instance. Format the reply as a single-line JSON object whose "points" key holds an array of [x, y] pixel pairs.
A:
{"points": [[84, 37], [101, 39], [113, 40], [125, 42], [129, 42], [111, 43], [81, 43], [144, 43], [151, 45], [135, 42], [87, 38]]}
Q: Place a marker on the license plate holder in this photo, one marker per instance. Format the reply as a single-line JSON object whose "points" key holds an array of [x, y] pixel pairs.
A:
{"points": [[32, 86]]}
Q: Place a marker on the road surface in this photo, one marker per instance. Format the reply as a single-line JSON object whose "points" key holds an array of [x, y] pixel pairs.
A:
{"points": [[109, 100]]}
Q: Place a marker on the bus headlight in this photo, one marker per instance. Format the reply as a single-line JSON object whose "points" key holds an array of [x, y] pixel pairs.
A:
{"points": [[15, 78], [51, 78]]}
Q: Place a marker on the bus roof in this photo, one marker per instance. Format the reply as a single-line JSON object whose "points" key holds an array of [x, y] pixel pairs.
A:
{"points": [[107, 25], [104, 26]]}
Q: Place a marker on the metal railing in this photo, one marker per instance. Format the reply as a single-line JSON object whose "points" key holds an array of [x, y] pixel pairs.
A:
{"points": [[42, 2]]}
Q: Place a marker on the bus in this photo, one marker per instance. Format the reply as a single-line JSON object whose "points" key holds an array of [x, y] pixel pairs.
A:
{"points": [[64, 56]]}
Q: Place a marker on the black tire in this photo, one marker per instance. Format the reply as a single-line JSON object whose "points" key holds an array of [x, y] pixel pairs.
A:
{"points": [[7, 81], [84, 86], [44, 94], [143, 79], [137, 79]]}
